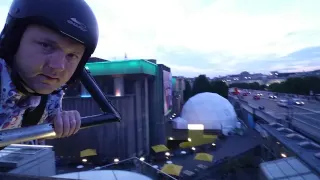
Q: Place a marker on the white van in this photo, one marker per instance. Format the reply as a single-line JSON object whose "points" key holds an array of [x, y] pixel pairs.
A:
{"points": [[283, 103]]}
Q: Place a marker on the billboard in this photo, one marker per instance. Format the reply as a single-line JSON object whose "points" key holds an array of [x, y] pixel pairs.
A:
{"points": [[167, 91]]}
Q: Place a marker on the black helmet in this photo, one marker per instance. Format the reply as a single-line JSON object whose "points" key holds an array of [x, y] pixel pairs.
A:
{"points": [[72, 18]]}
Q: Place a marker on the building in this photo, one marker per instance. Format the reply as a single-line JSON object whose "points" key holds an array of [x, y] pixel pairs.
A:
{"points": [[178, 84], [96, 59], [141, 90]]}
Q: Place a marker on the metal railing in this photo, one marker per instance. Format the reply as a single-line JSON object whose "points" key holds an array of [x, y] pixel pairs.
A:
{"points": [[136, 165]]}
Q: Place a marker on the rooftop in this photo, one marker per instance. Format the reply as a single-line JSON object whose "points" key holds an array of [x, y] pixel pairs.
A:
{"points": [[230, 154], [303, 148], [222, 150], [134, 66]]}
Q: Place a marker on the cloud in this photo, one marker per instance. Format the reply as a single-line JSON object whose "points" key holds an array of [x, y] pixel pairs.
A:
{"points": [[4, 8], [215, 37]]}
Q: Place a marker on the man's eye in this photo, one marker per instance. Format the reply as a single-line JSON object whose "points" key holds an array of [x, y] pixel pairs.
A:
{"points": [[72, 57], [45, 46]]}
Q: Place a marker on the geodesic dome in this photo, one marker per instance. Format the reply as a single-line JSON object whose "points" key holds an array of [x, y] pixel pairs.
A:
{"points": [[210, 109], [179, 123]]}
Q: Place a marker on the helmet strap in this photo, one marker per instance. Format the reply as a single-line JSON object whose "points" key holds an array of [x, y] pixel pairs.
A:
{"points": [[21, 85]]}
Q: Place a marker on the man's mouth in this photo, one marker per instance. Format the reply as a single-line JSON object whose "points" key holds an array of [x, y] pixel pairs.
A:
{"points": [[50, 78]]}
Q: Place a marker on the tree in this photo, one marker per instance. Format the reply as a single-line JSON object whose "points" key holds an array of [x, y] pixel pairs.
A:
{"points": [[220, 88], [263, 87], [301, 85], [187, 93], [254, 86], [277, 87], [201, 84]]}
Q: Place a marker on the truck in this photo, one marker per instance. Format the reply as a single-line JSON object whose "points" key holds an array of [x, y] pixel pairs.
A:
{"points": [[234, 91]]}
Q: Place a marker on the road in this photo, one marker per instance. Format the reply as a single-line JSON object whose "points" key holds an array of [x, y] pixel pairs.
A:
{"points": [[308, 114], [309, 104]]}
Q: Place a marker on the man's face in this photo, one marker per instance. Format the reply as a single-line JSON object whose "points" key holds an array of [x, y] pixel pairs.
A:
{"points": [[46, 60]]}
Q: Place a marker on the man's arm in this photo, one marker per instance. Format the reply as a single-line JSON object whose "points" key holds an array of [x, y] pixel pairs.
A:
{"points": [[53, 107], [65, 123]]}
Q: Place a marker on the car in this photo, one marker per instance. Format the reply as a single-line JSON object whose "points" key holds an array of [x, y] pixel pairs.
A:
{"points": [[273, 97], [282, 103], [297, 101], [245, 94], [256, 97], [259, 94]]}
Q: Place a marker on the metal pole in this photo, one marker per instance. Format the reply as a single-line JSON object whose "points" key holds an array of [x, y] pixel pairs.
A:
{"points": [[90, 84], [42, 131]]}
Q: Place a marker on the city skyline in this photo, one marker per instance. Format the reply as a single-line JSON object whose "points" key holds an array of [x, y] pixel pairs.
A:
{"points": [[217, 37]]}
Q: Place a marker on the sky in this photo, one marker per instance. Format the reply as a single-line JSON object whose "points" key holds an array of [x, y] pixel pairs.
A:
{"points": [[212, 37]]}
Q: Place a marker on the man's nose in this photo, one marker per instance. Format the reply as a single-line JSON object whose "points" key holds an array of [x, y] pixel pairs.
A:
{"points": [[57, 61]]}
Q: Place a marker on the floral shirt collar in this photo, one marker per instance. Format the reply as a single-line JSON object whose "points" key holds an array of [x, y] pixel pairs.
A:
{"points": [[13, 104]]}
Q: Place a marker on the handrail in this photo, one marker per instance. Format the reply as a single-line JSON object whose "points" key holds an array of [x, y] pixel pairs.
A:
{"points": [[110, 114], [42, 131]]}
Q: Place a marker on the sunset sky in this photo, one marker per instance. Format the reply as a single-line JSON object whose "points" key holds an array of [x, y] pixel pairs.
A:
{"points": [[213, 37]]}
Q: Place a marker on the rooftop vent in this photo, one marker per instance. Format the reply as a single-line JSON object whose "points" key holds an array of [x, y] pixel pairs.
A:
{"points": [[264, 134], [295, 136], [309, 145], [276, 125], [317, 155], [285, 130]]}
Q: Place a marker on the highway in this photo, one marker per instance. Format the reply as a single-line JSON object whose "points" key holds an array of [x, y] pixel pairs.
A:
{"points": [[310, 105], [308, 115], [310, 111]]}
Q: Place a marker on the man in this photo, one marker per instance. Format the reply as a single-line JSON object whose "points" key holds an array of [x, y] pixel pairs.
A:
{"points": [[43, 48]]}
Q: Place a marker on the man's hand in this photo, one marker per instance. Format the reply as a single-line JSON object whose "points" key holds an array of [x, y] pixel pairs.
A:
{"points": [[67, 123]]}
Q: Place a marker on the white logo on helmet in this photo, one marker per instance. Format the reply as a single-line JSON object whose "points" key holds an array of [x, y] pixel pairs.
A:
{"points": [[78, 24]]}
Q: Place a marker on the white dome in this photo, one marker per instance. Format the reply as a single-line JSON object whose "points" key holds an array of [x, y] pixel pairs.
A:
{"points": [[104, 174], [211, 110], [179, 123]]}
